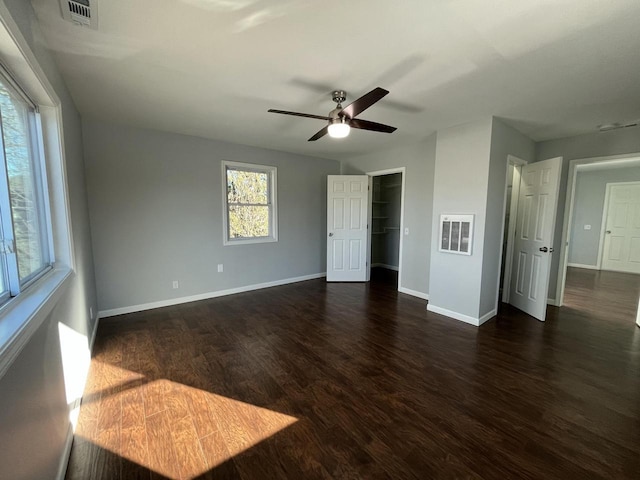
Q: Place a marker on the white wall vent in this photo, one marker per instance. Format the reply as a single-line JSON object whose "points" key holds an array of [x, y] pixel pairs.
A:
{"points": [[80, 12]]}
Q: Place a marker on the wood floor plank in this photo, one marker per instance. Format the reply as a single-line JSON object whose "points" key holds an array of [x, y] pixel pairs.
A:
{"points": [[161, 447], [322, 381]]}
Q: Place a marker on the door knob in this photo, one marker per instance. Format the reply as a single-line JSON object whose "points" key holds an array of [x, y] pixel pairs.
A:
{"points": [[331, 234], [544, 249]]}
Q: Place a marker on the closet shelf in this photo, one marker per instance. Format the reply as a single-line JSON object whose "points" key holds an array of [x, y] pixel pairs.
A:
{"points": [[393, 185], [379, 218], [386, 230], [380, 202]]}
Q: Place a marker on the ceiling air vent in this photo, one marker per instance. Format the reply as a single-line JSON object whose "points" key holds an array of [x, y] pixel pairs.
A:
{"points": [[607, 127], [81, 12]]}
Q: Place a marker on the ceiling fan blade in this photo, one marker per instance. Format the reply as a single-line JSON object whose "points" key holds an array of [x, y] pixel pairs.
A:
{"points": [[297, 114], [320, 134], [364, 102], [367, 125]]}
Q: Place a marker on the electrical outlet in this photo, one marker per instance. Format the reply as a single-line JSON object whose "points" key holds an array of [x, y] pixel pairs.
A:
{"points": [[220, 268], [587, 227], [406, 231], [176, 284], [90, 313]]}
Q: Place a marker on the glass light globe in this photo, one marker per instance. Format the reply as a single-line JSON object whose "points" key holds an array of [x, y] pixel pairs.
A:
{"points": [[339, 130]]}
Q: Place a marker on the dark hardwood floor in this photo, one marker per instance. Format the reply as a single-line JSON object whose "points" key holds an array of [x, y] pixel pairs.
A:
{"points": [[356, 381]]}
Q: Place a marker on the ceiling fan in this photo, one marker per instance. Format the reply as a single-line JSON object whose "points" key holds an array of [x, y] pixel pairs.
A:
{"points": [[341, 120]]}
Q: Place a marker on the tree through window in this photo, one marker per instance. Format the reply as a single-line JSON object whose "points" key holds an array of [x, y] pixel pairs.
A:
{"points": [[24, 242], [250, 214]]}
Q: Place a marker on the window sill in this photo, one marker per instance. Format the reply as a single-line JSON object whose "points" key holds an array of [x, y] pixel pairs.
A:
{"points": [[247, 241], [22, 316]]}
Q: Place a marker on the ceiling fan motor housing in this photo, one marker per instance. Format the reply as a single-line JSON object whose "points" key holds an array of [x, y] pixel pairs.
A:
{"points": [[339, 96]]}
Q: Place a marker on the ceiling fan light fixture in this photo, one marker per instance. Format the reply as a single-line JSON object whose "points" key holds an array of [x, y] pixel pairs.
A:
{"points": [[339, 128]]}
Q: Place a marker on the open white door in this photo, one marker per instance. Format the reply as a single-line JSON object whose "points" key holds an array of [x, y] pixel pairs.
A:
{"points": [[621, 251], [347, 202], [535, 222]]}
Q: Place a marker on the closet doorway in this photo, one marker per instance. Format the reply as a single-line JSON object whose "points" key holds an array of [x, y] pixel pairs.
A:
{"points": [[385, 226]]}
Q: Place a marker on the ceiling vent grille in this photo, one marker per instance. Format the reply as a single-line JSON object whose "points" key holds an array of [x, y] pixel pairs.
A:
{"points": [[607, 127], [80, 12]]}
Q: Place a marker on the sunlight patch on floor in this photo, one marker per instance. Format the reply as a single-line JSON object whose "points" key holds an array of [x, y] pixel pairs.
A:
{"points": [[170, 428]]}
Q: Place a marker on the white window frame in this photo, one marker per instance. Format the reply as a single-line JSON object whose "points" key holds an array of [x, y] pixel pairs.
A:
{"points": [[22, 315], [272, 174], [16, 285]]}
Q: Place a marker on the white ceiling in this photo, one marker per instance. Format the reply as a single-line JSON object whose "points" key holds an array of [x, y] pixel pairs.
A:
{"points": [[212, 68]]}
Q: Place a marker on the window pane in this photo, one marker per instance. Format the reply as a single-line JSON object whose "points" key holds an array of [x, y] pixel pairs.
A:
{"points": [[248, 222], [247, 187], [22, 184]]}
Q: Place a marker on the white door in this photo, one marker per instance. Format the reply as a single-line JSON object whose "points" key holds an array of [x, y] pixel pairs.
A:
{"points": [[621, 251], [535, 222], [347, 201]]}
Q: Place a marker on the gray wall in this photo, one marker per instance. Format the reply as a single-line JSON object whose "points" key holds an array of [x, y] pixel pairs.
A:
{"points": [[505, 141], [587, 210], [419, 161], [616, 142], [33, 406], [156, 215], [460, 187]]}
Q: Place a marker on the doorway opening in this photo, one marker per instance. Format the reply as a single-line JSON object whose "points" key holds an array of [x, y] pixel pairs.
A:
{"points": [[579, 250], [530, 251], [385, 226], [599, 256]]}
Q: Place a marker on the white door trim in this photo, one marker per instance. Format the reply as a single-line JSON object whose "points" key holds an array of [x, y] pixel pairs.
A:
{"points": [[378, 173], [568, 211], [605, 208], [515, 193]]}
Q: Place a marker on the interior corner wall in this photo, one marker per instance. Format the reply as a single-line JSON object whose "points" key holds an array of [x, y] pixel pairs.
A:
{"points": [[34, 413], [419, 162], [615, 142], [460, 187], [156, 203], [505, 141]]}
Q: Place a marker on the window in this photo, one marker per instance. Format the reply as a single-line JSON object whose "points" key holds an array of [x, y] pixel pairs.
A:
{"points": [[24, 229], [250, 214]]}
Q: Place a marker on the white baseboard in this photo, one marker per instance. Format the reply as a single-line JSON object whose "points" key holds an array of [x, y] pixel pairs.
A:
{"points": [[414, 293], [64, 460], [460, 316], [92, 340], [204, 296], [488, 316], [581, 265], [66, 453], [384, 265], [553, 302]]}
